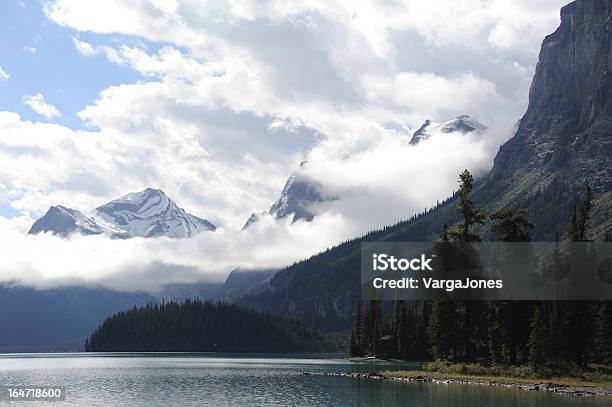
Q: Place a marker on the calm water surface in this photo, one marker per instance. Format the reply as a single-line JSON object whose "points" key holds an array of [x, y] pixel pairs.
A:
{"points": [[245, 380]]}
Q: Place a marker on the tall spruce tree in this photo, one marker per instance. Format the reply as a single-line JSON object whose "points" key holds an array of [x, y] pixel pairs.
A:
{"points": [[585, 213], [603, 333], [441, 334], [573, 231], [442, 322], [508, 328], [353, 349], [470, 213], [574, 344], [372, 327], [498, 335], [538, 339], [398, 316], [356, 338], [581, 215], [471, 329]]}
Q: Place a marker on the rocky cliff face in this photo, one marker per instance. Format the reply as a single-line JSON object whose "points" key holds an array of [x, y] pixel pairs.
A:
{"points": [[567, 129]]}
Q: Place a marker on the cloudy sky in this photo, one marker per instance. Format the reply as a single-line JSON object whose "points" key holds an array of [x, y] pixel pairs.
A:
{"points": [[217, 102]]}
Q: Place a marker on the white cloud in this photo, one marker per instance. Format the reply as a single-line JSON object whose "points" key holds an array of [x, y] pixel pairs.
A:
{"points": [[88, 50], [433, 95], [83, 47], [38, 104], [30, 50], [232, 96], [3, 75], [473, 23], [380, 184], [143, 264], [52, 164]]}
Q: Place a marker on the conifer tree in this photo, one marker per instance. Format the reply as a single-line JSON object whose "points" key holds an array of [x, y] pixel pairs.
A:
{"points": [[356, 339], [512, 224], [538, 339], [420, 323], [403, 321], [574, 228], [353, 350], [440, 331], [585, 213], [372, 327], [398, 315], [603, 333], [498, 335], [471, 214], [581, 215], [444, 237], [578, 314], [508, 329], [472, 329]]}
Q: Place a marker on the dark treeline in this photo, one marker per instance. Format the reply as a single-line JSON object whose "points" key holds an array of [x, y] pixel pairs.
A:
{"points": [[539, 333], [201, 326]]}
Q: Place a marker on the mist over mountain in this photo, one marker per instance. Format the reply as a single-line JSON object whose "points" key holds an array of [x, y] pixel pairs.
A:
{"points": [[313, 188], [563, 141], [298, 199], [148, 213]]}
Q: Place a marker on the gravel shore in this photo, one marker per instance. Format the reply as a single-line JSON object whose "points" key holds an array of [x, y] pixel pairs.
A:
{"points": [[424, 377]]}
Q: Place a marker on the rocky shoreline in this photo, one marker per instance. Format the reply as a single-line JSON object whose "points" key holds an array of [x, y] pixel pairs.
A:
{"points": [[425, 378]]}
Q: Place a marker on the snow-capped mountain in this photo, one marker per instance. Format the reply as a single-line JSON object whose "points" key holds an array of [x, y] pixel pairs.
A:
{"points": [[463, 124], [151, 213], [254, 218], [300, 193], [298, 199], [148, 213], [64, 221]]}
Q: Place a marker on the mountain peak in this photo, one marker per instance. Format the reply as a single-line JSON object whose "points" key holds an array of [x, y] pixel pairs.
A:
{"points": [[138, 196], [254, 218], [463, 124], [147, 213], [300, 193], [151, 213], [299, 198], [421, 133], [63, 221]]}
